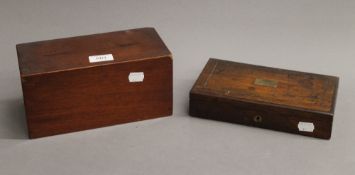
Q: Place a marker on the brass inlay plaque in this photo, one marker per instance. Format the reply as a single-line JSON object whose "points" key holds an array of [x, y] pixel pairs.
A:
{"points": [[264, 82]]}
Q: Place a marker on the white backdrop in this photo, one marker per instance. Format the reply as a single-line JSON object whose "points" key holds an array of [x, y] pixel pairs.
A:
{"points": [[306, 35]]}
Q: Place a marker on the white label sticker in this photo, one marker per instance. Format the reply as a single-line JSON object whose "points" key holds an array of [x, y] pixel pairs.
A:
{"points": [[100, 58], [136, 77], [305, 126]]}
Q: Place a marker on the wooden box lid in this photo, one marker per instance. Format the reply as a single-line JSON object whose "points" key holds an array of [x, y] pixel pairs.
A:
{"points": [[268, 86], [72, 53]]}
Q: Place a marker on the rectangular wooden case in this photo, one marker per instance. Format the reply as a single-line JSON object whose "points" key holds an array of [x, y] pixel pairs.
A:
{"points": [[92, 81], [283, 100]]}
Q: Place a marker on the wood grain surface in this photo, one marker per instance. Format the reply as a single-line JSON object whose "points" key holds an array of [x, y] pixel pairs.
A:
{"points": [[265, 97], [64, 92]]}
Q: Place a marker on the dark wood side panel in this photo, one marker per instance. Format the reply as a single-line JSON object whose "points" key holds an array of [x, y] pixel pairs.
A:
{"points": [[259, 115], [98, 96]]}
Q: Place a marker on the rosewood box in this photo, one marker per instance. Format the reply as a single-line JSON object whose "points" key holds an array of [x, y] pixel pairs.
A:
{"points": [[85, 82], [277, 99]]}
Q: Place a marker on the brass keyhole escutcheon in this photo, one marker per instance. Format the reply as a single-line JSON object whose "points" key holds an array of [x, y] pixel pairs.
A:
{"points": [[258, 118]]}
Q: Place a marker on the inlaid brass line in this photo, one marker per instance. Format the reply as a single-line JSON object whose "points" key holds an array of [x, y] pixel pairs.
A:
{"points": [[209, 76]]}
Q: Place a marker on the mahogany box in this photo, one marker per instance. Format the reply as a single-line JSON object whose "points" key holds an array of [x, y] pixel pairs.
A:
{"points": [[277, 99], [85, 82]]}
